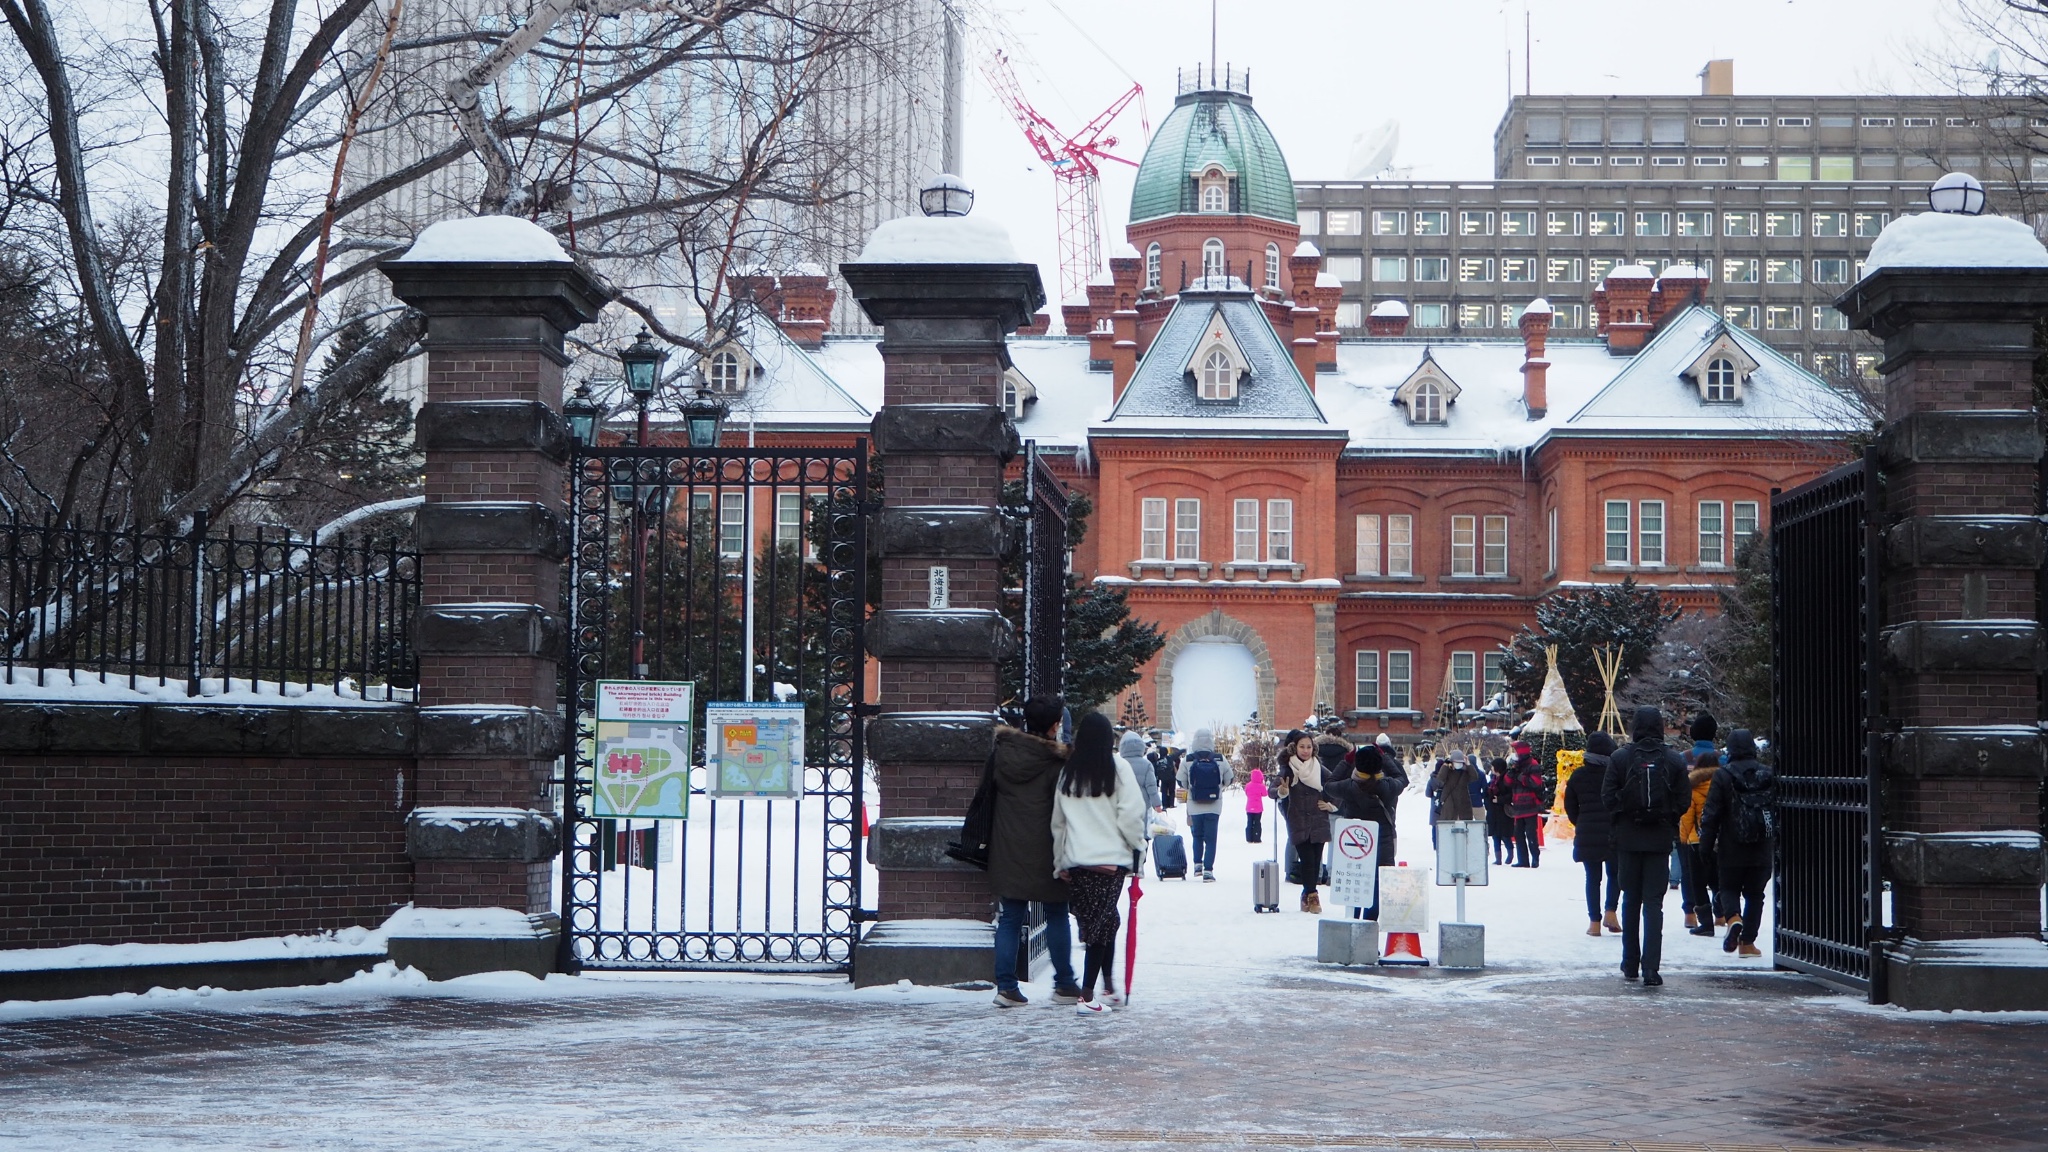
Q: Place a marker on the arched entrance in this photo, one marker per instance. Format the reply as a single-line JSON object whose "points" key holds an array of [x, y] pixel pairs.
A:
{"points": [[1214, 663]]}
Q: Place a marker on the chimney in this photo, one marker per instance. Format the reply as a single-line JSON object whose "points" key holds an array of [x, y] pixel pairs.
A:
{"points": [[1302, 268], [1535, 369], [1329, 293], [1680, 285], [1388, 318], [1101, 302], [807, 299], [1718, 78], [1039, 324], [1074, 315], [1623, 304]]}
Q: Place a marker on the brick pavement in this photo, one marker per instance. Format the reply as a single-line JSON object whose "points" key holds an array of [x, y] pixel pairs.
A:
{"points": [[1307, 1059]]}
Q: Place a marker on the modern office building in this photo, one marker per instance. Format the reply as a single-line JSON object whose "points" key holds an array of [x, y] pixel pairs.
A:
{"points": [[1775, 198]]}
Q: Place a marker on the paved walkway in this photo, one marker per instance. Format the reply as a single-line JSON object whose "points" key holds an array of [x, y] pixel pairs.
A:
{"points": [[1312, 1058]]}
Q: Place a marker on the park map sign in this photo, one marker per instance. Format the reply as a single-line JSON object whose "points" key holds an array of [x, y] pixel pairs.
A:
{"points": [[642, 769], [754, 749]]}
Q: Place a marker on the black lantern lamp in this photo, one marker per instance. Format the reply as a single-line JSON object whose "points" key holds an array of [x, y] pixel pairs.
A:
{"points": [[1957, 193], [705, 417], [643, 365], [946, 195], [583, 412]]}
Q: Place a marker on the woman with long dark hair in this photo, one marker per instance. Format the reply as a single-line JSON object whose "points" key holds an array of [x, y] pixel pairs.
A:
{"points": [[1298, 782], [1098, 829]]}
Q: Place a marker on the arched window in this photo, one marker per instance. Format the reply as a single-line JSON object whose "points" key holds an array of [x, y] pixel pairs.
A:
{"points": [[1219, 376], [1152, 266], [1212, 258], [1215, 196], [1273, 266], [725, 372], [1010, 404], [1429, 403], [1721, 380]]}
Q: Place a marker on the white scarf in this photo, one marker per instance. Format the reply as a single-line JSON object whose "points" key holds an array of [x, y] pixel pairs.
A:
{"points": [[1307, 772]]}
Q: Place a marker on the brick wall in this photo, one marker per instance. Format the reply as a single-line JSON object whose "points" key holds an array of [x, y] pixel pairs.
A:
{"points": [[156, 849]]}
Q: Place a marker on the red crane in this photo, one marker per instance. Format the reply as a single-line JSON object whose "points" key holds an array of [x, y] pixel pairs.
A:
{"points": [[1073, 159]]}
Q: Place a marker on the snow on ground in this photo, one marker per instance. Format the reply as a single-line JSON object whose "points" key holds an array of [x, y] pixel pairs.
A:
{"points": [[347, 942]]}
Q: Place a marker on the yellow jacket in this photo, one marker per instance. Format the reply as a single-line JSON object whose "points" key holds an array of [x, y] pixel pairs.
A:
{"points": [[1689, 824]]}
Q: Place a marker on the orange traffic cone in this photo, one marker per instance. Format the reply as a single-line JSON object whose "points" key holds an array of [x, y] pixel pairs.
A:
{"points": [[1404, 948]]}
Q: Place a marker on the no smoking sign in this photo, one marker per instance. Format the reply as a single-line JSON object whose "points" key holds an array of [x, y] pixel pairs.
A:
{"points": [[1354, 866]]}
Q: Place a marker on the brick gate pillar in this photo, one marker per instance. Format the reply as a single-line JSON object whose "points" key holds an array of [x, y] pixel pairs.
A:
{"points": [[498, 294], [1962, 646], [947, 290]]}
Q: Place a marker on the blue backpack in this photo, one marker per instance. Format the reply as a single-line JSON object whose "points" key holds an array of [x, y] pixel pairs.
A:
{"points": [[1205, 778]]}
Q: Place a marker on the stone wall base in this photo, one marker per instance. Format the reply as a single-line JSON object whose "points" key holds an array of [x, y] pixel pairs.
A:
{"points": [[1347, 942], [227, 975], [1999, 975], [938, 953], [445, 957]]}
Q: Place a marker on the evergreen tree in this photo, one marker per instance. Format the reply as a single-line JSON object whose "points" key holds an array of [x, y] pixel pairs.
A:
{"points": [[1577, 621], [357, 452]]}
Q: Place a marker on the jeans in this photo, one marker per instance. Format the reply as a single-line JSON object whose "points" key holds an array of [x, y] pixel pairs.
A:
{"points": [[1594, 869], [1525, 841], [1254, 827], [1202, 826], [1644, 879], [1011, 927], [1744, 883]]}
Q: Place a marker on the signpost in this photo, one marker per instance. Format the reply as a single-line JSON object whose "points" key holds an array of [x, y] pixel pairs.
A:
{"points": [[1354, 862], [1461, 860], [754, 749], [643, 750]]}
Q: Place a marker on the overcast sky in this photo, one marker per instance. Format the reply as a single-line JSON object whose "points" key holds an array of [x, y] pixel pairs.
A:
{"points": [[1326, 71]]}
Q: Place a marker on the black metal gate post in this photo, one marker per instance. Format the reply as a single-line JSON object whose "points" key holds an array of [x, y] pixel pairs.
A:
{"points": [[1045, 578], [1829, 903], [741, 883]]}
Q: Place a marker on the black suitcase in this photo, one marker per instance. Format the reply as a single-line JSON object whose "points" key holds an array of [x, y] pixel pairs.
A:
{"points": [[1169, 856]]}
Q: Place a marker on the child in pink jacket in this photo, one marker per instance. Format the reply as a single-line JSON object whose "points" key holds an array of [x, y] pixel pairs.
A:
{"points": [[1254, 805]]}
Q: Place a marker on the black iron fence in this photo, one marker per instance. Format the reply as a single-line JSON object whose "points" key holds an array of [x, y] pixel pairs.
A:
{"points": [[1045, 578], [1829, 908], [245, 611]]}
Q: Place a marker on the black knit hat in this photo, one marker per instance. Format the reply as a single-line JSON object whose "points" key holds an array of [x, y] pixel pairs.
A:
{"points": [[1703, 727], [1600, 743]]}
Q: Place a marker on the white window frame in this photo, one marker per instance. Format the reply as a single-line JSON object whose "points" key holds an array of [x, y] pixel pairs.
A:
{"points": [[723, 373], [732, 524], [1152, 528], [1273, 266], [1187, 530], [1493, 676], [1383, 265], [1401, 545], [1365, 680], [1620, 541], [1723, 381], [1244, 536], [1552, 570], [1465, 677], [1217, 378], [1743, 512], [1650, 533], [1215, 199], [789, 518], [1280, 531], [1713, 532], [1152, 265], [1399, 699], [1389, 222], [1464, 545], [1368, 544], [1215, 261], [1493, 546], [1429, 403]]}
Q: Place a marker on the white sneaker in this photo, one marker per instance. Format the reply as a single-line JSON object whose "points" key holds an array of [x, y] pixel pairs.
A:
{"points": [[1090, 1008], [1208, 877], [1112, 1000]]}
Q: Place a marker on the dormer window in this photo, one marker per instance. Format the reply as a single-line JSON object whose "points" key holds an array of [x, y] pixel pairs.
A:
{"points": [[1215, 191], [1273, 267], [727, 370], [1722, 370], [1213, 262], [1152, 266], [1428, 393], [1218, 366], [1017, 394]]}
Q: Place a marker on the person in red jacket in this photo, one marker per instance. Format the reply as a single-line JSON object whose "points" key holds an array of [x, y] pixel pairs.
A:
{"points": [[1525, 804]]}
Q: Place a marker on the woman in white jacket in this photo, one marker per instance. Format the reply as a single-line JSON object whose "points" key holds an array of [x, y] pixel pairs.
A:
{"points": [[1098, 827]]}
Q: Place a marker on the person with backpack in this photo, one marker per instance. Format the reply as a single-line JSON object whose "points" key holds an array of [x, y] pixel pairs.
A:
{"points": [[1204, 776], [1026, 770], [1098, 833], [1131, 749], [1500, 827], [1740, 819], [1593, 831], [1525, 804], [1165, 762], [1645, 791], [1298, 783]]}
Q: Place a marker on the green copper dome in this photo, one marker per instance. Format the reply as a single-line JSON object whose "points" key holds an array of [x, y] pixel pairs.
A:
{"points": [[1213, 125]]}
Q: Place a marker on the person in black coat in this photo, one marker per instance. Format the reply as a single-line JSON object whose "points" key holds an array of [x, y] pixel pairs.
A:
{"points": [[1646, 792], [1593, 831], [1500, 827], [1368, 794], [1745, 867]]}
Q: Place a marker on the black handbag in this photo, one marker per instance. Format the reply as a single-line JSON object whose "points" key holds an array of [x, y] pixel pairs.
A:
{"points": [[979, 826]]}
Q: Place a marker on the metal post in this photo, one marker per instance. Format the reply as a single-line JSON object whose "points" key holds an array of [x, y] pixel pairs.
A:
{"points": [[1873, 822], [747, 591], [639, 555], [198, 543]]}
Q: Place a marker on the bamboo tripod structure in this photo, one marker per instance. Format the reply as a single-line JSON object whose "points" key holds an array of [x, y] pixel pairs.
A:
{"points": [[1608, 660]]}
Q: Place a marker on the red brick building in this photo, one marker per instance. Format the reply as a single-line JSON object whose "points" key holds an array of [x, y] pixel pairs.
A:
{"points": [[1359, 521]]}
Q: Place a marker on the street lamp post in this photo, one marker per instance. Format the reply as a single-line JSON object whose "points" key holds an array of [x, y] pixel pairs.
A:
{"points": [[642, 360]]}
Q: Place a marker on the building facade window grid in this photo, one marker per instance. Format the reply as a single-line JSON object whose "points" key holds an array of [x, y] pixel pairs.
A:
{"points": [[1152, 529], [1280, 531], [1713, 534], [1245, 531], [1365, 693], [1617, 533], [1650, 533], [1187, 529], [1368, 545], [1401, 545], [1465, 677]]}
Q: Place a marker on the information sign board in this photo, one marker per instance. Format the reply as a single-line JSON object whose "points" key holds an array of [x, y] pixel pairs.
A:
{"points": [[754, 749], [643, 750], [1461, 847]]}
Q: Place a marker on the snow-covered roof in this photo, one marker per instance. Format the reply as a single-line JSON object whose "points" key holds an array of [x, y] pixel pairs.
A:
{"points": [[1631, 272], [939, 240], [1952, 240], [1273, 390], [1683, 272], [1307, 249], [1396, 308], [1539, 306], [1328, 280], [485, 239]]}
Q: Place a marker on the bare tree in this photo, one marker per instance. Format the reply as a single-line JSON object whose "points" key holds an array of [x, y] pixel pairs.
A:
{"points": [[173, 188]]}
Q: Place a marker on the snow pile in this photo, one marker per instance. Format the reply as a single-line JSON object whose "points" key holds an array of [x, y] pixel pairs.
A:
{"points": [[84, 686], [1631, 272], [939, 240], [485, 239], [412, 922], [1396, 308], [1307, 249], [1538, 307], [462, 818], [345, 942], [1952, 240], [1328, 280], [1683, 272]]}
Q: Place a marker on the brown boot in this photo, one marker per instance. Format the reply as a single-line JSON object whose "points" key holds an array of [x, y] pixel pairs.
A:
{"points": [[1311, 902], [1691, 921], [1613, 924], [1593, 929], [1749, 951]]}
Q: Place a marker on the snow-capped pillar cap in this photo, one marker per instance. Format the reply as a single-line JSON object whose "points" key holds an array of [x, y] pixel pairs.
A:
{"points": [[943, 267], [1539, 307], [1950, 282], [946, 195], [496, 282]]}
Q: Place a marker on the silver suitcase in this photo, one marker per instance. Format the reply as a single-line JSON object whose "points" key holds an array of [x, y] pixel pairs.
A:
{"points": [[1265, 886]]}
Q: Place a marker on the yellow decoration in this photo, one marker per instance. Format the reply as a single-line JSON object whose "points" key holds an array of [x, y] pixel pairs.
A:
{"points": [[1568, 762]]}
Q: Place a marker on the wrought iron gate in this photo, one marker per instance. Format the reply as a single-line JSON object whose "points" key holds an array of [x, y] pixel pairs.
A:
{"points": [[695, 565], [1829, 908], [1044, 578]]}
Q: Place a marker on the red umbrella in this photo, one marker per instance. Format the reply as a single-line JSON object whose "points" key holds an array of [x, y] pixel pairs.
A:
{"points": [[1131, 937]]}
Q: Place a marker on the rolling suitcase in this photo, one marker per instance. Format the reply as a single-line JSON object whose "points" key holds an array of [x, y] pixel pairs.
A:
{"points": [[1170, 857], [1266, 881]]}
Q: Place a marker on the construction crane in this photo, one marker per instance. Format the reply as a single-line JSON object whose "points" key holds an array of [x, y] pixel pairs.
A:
{"points": [[1074, 159]]}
